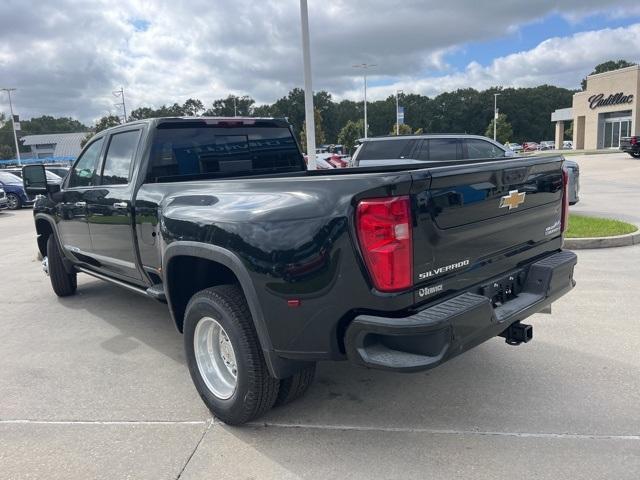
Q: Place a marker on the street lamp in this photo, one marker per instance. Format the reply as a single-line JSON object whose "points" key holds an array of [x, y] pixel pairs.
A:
{"points": [[13, 123], [365, 67], [308, 92], [398, 92], [495, 114]]}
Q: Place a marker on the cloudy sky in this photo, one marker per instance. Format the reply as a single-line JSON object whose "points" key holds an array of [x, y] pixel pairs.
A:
{"points": [[66, 57]]}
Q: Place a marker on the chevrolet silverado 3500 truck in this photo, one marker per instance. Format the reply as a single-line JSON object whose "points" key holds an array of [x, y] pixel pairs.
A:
{"points": [[268, 268]]}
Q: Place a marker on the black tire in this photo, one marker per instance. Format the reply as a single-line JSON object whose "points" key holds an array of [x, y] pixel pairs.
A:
{"points": [[635, 154], [63, 283], [256, 390], [13, 201], [295, 386]]}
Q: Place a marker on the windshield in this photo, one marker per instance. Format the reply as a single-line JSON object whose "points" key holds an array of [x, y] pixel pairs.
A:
{"points": [[7, 177]]}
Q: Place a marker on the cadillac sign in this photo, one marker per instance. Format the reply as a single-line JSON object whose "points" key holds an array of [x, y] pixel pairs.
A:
{"points": [[599, 100]]}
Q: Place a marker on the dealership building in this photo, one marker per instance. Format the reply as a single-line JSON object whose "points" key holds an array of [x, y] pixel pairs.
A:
{"points": [[606, 111]]}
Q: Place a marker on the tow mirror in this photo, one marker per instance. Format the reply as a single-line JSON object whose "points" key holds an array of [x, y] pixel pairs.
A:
{"points": [[34, 179]]}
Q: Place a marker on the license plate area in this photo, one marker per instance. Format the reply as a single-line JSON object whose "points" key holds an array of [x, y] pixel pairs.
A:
{"points": [[501, 290]]}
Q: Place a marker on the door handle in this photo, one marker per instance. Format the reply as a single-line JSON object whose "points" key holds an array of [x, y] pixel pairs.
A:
{"points": [[120, 205], [81, 204]]}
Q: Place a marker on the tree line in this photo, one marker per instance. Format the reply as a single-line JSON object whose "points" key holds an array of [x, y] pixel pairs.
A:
{"points": [[525, 114]]}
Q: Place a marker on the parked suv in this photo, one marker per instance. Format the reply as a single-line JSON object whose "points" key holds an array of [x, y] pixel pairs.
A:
{"points": [[421, 148], [407, 149]]}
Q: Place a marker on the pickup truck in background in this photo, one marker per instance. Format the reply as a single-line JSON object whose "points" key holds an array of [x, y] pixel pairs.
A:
{"points": [[268, 268]]}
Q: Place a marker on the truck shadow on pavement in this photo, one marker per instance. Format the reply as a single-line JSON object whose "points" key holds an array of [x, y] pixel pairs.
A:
{"points": [[140, 320]]}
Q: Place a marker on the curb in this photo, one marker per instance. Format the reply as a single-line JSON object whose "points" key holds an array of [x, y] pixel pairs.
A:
{"points": [[603, 242]]}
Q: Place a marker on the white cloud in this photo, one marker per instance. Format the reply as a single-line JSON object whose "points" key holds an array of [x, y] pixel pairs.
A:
{"points": [[560, 61], [67, 56]]}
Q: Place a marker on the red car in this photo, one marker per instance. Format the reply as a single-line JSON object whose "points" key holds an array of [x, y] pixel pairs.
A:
{"points": [[338, 161], [530, 146]]}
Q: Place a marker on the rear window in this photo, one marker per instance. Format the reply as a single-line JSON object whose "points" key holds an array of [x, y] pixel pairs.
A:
{"points": [[386, 149], [182, 150]]}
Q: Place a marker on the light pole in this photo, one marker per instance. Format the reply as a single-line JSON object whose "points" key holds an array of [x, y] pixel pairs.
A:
{"points": [[235, 107], [120, 93], [495, 114], [13, 123], [308, 92], [398, 92], [365, 67]]}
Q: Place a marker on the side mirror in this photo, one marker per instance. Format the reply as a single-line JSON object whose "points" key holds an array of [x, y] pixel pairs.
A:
{"points": [[34, 179]]}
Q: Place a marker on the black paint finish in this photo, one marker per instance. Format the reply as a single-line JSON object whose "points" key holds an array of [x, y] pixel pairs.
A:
{"points": [[294, 235]]}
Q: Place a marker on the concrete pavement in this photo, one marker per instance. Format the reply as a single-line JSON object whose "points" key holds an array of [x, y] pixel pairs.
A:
{"points": [[95, 386], [610, 186]]}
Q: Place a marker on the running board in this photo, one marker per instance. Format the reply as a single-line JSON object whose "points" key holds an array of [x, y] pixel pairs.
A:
{"points": [[120, 283]]}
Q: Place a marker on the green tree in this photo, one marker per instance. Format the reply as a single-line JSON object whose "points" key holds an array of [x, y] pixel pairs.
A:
{"points": [[49, 124], [320, 137], [504, 132], [192, 107], [105, 122], [403, 130], [224, 107], [350, 134], [607, 66], [6, 152]]}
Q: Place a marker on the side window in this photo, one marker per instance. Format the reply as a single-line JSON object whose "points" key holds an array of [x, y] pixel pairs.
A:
{"points": [[481, 149], [84, 172], [120, 153], [443, 149], [386, 149]]}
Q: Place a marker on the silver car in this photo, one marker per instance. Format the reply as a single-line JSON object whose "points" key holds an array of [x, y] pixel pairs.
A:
{"points": [[4, 203], [408, 149]]}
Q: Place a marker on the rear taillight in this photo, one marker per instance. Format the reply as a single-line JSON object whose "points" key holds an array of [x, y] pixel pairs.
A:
{"points": [[564, 223], [384, 233], [634, 140]]}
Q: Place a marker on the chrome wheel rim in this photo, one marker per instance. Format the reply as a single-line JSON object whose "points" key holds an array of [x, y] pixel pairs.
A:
{"points": [[12, 200], [215, 357]]}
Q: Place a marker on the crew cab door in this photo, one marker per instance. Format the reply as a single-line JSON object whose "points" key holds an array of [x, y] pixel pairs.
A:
{"points": [[110, 210], [72, 210]]}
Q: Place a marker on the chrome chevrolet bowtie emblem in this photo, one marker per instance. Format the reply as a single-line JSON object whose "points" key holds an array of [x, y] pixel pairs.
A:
{"points": [[513, 200]]}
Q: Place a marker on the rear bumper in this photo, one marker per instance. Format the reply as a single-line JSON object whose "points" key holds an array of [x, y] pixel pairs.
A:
{"points": [[442, 331]]}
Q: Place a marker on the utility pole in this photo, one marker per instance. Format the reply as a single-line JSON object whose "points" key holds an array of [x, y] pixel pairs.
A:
{"points": [[365, 67], [235, 108], [495, 114], [13, 123], [398, 92], [120, 93], [310, 123]]}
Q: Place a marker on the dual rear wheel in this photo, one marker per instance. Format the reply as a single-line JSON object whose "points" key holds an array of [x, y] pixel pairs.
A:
{"points": [[226, 362]]}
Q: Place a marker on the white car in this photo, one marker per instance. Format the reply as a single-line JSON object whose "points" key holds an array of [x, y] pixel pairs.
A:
{"points": [[567, 145], [514, 147]]}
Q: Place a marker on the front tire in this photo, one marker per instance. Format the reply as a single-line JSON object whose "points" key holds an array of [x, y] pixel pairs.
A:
{"points": [[63, 283], [13, 201], [635, 154], [224, 356]]}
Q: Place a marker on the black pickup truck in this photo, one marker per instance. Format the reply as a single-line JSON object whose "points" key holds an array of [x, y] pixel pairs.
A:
{"points": [[268, 267]]}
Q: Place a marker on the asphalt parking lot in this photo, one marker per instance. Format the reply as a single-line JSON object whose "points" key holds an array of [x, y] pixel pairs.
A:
{"points": [[95, 385]]}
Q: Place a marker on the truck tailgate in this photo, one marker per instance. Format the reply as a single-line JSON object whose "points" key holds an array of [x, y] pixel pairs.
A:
{"points": [[476, 221]]}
